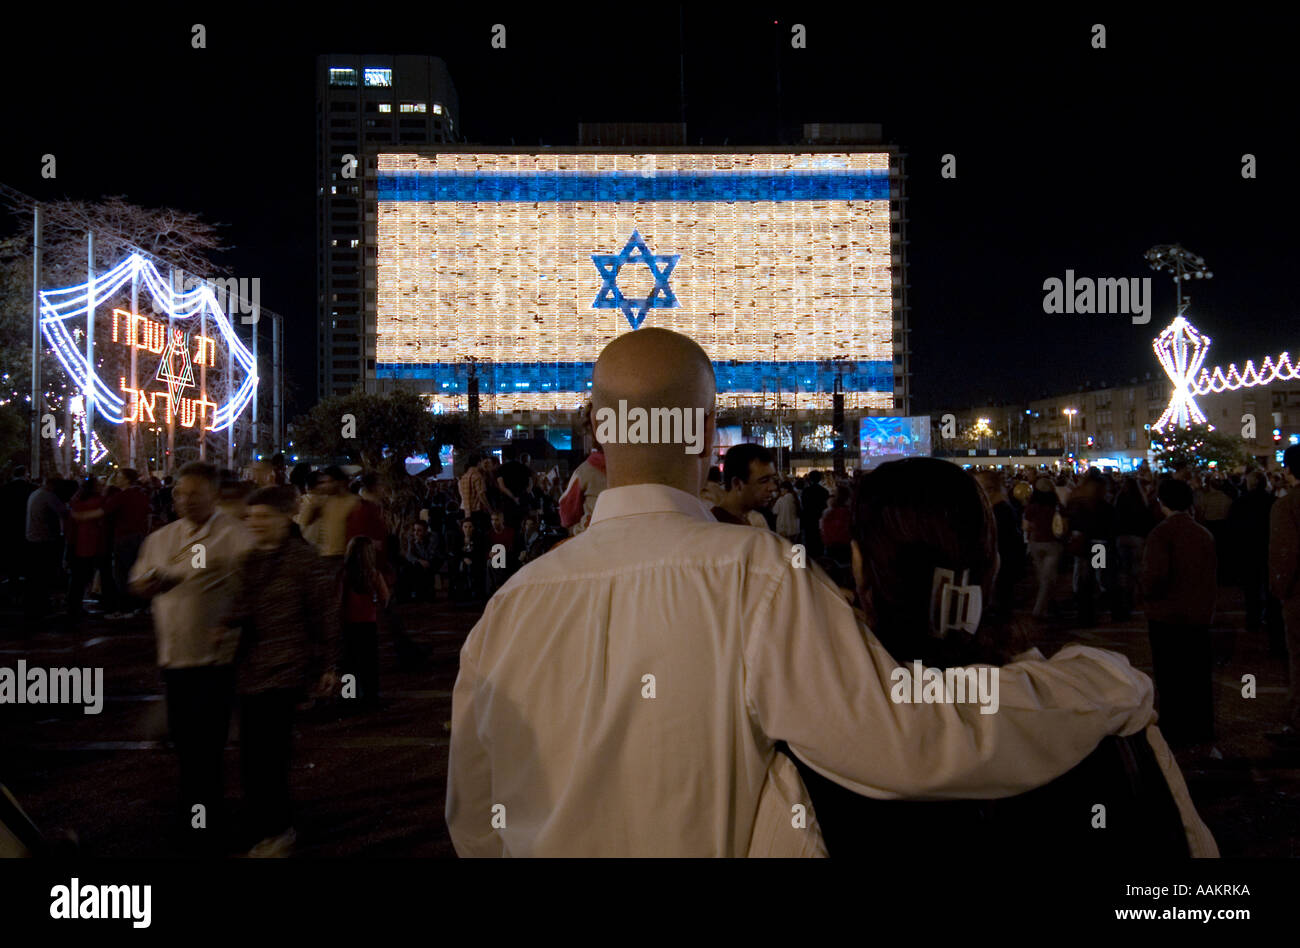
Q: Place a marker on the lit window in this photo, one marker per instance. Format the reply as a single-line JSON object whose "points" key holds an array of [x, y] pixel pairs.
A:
{"points": [[356, 242], [437, 108], [345, 77], [378, 77], [334, 243], [334, 189], [413, 107], [385, 106]]}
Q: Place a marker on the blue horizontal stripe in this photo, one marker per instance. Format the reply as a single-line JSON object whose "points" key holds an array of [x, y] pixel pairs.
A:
{"points": [[541, 187], [451, 378]]}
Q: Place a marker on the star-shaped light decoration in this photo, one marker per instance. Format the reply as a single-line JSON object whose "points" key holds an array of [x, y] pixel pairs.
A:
{"points": [[175, 367], [636, 251]]}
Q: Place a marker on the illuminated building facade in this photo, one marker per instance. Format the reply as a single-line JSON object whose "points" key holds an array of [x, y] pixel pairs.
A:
{"points": [[786, 265]]}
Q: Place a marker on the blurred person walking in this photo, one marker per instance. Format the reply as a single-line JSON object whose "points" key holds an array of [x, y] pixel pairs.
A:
{"points": [[187, 570], [284, 612]]}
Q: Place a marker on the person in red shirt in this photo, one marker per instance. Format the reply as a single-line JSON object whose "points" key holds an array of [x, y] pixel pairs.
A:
{"points": [[128, 510], [365, 594], [87, 548], [835, 526], [504, 537]]}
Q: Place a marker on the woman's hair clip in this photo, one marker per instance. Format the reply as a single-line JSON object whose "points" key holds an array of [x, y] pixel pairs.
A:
{"points": [[954, 606]]}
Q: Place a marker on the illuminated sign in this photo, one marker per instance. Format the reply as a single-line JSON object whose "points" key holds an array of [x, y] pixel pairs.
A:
{"points": [[177, 371], [779, 265]]}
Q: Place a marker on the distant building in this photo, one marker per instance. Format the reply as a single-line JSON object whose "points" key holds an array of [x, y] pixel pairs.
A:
{"points": [[363, 103]]}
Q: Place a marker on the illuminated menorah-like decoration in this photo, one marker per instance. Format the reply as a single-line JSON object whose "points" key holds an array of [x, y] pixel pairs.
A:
{"points": [[1182, 348]]}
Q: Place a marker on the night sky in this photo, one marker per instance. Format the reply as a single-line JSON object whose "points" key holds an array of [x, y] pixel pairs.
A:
{"points": [[1068, 157]]}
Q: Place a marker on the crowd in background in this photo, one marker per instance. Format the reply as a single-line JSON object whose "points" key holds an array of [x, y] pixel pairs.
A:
{"points": [[300, 569]]}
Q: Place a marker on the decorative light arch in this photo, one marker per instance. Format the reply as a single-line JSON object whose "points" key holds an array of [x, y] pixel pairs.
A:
{"points": [[58, 307], [1181, 350]]}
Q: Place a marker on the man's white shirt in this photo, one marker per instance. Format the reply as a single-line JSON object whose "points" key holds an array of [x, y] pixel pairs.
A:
{"points": [[186, 618], [558, 749]]}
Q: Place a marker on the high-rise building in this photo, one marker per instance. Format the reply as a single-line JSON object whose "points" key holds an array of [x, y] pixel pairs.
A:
{"points": [[363, 103]]}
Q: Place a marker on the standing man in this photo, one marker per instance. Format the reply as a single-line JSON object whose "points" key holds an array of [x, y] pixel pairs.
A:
{"points": [[475, 498], [13, 512], [623, 695], [128, 517], [45, 516], [1011, 542], [814, 502], [749, 474], [786, 510], [187, 570], [1179, 566], [1284, 581], [324, 513]]}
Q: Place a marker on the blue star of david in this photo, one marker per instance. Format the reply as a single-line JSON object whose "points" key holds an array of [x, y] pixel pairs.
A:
{"points": [[636, 251]]}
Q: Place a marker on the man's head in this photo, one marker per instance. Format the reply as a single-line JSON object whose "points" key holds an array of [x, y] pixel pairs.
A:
{"points": [[993, 483], [126, 477], [1175, 496], [1291, 461], [814, 477], [419, 530], [20, 473], [331, 480], [467, 527], [653, 369], [262, 474], [749, 471], [196, 491], [268, 513], [498, 521]]}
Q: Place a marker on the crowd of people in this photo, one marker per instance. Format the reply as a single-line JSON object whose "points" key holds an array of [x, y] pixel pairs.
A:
{"points": [[683, 580], [270, 588]]}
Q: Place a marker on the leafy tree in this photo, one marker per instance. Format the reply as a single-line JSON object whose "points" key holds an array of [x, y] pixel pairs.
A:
{"points": [[1197, 447], [385, 428]]}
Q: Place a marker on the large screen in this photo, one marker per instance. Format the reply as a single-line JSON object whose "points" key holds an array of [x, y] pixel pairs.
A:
{"points": [[527, 265], [889, 439]]}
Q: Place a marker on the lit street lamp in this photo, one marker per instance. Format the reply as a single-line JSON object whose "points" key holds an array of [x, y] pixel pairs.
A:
{"points": [[1069, 414]]}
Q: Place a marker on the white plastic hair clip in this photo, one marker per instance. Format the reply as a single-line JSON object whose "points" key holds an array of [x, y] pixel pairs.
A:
{"points": [[954, 606]]}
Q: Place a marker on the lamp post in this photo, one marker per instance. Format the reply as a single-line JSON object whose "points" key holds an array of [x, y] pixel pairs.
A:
{"points": [[1069, 414]]}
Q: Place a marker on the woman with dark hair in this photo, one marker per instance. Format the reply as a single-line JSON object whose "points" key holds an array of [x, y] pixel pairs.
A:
{"points": [[924, 540], [1040, 523]]}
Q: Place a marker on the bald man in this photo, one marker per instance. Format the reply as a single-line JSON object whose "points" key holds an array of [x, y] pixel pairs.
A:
{"points": [[623, 695]]}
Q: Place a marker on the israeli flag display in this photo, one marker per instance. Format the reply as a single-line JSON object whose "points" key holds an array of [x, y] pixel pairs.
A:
{"points": [[779, 264]]}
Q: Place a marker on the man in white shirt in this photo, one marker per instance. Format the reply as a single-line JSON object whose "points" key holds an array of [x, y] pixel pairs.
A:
{"points": [[622, 695], [187, 569], [786, 509]]}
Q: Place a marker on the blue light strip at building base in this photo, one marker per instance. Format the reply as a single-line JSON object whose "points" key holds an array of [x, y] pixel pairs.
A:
{"points": [[545, 187], [497, 378]]}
